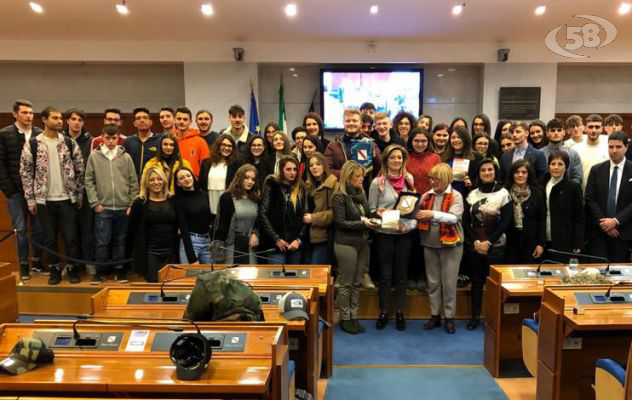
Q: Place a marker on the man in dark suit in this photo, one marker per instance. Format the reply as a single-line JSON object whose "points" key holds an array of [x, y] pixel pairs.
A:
{"points": [[522, 150], [12, 139], [609, 203]]}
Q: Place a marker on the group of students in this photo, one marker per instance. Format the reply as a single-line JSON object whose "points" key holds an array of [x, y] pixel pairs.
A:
{"points": [[192, 195]]}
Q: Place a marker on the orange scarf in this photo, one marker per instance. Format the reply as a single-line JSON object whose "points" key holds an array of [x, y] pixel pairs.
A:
{"points": [[448, 234]]}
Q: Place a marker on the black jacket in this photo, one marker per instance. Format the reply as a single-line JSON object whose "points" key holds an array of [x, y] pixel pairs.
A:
{"points": [[11, 143], [278, 218], [597, 199], [566, 207], [534, 221], [85, 145], [350, 229], [381, 144], [206, 167], [141, 152]]}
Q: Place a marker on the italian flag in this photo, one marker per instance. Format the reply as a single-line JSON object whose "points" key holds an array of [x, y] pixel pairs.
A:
{"points": [[282, 116]]}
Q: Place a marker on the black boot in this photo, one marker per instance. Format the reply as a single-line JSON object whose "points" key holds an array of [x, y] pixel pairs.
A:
{"points": [[381, 322], [55, 275], [24, 271], [473, 324], [73, 273], [449, 325], [348, 326], [433, 322], [400, 322]]}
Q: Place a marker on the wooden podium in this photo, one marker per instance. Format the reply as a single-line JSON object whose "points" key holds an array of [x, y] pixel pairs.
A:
{"points": [[579, 325], [147, 303], [295, 276], [247, 361], [513, 293], [8, 294]]}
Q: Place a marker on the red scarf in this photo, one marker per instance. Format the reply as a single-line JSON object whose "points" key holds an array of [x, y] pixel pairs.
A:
{"points": [[448, 235], [397, 182]]}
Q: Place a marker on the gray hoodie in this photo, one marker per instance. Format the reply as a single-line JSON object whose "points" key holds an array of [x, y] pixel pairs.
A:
{"points": [[111, 183]]}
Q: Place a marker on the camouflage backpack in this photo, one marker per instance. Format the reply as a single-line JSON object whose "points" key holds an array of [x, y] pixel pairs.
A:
{"points": [[217, 296]]}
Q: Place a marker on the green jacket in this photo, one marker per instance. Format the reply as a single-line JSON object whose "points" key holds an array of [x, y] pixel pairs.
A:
{"points": [[112, 184]]}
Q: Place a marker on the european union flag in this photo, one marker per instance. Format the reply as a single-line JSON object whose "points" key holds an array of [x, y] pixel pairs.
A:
{"points": [[254, 115]]}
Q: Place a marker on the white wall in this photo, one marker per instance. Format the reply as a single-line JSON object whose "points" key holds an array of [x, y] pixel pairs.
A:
{"points": [[457, 93], [499, 75], [217, 86], [594, 89], [92, 86]]}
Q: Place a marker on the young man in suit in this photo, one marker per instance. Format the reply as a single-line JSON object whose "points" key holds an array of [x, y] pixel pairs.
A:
{"points": [[609, 203], [522, 150]]}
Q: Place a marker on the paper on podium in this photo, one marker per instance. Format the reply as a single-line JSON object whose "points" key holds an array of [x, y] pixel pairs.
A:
{"points": [[390, 219]]}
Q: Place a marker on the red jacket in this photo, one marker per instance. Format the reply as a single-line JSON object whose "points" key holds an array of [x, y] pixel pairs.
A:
{"points": [[193, 149]]}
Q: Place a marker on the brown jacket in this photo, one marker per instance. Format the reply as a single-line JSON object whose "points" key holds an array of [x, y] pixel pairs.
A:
{"points": [[322, 215]]}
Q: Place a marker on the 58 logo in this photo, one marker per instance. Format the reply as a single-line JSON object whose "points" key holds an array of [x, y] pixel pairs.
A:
{"points": [[581, 36]]}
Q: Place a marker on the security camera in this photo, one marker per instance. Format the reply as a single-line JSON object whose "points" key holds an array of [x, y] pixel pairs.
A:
{"points": [[238, 53], [503, 55]]}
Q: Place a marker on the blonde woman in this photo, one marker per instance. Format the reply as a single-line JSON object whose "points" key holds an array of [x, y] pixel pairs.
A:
{"points": [[351, 220], [282, 207], [153, 226], [441, 233]]}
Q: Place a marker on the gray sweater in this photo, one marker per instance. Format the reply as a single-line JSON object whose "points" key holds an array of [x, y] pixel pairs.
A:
{"points": [[387, 199], [111, 183]]}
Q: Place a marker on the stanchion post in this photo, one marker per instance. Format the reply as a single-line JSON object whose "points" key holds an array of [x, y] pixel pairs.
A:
{"points": [[17, 255]]}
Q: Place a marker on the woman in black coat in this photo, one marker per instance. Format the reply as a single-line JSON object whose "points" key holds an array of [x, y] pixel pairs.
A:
{"points": [[565, 219], [526, 236]]}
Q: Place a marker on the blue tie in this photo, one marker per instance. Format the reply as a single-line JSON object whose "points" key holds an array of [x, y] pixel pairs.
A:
{"points": [[611, 210]]}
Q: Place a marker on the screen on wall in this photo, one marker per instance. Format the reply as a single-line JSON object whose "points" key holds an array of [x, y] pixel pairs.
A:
{"points": [[390, 91]]}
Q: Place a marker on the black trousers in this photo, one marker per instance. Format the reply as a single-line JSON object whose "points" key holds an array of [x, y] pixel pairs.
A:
{"points": [[479, 270], [392, 255], [520, 248], [616, 250], [53, 217], [158, 258], [86, 231], [416, 259]]}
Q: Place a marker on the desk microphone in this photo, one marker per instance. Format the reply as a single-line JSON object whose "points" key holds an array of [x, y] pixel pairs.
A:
{"points": [[620, 283], [577, 255], [546, 273]]}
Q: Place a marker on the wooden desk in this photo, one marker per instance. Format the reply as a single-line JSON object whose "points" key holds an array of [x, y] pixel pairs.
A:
{"points": [[8, 295], [146, 303], [5, 269], [569, 344], [510, 297], [253, 366], [317, 276]]}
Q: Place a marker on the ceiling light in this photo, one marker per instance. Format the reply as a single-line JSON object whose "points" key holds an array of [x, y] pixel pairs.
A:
{"points": [[295, 75], [451, 69], [625, 8], [207, 9], [440, 75], [373, 9], [36, 7], [292, 69], [122, 8], [290, 10], [457, 10], [540, 10]]}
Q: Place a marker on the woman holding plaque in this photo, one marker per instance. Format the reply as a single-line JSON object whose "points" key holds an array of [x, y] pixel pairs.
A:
{"points": [[441, 234], [392, 245], [462, 159], [486, 217], [526, 237]]}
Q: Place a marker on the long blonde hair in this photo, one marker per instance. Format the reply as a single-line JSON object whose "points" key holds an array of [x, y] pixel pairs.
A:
{"points": [[144, 182], [349, 168]]}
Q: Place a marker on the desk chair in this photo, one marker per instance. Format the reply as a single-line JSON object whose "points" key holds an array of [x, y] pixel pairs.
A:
{"points": [[530, 345], [609, 380]]}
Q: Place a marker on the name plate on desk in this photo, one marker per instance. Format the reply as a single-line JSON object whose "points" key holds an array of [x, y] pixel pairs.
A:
{"points": [[596, 298], [530, 273], [222, 342], [93, 341]]}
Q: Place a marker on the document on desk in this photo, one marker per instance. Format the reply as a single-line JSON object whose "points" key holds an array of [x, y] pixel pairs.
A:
{"points": [[137, 341]]}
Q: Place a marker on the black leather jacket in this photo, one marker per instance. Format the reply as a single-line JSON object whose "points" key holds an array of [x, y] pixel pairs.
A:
{"points": [[278, 217]]}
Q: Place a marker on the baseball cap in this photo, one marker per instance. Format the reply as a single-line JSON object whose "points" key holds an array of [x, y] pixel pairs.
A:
{"points": [[26, 355], [293, 306]]}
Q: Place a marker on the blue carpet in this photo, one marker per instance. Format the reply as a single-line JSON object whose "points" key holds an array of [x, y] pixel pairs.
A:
{"points": [[411, 347], [413, 383]]}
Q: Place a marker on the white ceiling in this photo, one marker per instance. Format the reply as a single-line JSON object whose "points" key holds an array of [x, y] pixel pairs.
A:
{"points": [[482, 21]]}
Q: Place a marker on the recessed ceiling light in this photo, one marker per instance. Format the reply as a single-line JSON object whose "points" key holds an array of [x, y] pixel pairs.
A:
{"points": [[625, 8], [295, 75], [540, 10], [122, 8], [36, 7], [207, 9], [451, 69], [291, 10], [374, 9], [440, 75], [458, 9], [292, 69]]}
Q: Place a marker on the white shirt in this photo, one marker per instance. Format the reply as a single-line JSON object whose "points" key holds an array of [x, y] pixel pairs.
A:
{"points": [[549, 186], [216, 184], [591, 155], [520, 151], [56, 190], [619, 175], [27, 134], [109, 154]]}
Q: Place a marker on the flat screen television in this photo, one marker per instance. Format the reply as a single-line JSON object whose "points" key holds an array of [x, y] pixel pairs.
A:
{"points": [[390, 89]]}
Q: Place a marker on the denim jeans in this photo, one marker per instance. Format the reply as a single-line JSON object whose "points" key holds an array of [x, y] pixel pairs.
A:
{"points": [[19, 212], [287, 257], [200, 246], [110, 229], [321, 254], [60, 216]]}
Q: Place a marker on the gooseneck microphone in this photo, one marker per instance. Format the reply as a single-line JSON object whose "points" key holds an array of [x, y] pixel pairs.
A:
{"points": [[546, 273]]}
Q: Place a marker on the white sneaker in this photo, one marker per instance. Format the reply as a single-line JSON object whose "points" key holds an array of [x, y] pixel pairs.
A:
{"points": [[91, 269], [367, 283]]}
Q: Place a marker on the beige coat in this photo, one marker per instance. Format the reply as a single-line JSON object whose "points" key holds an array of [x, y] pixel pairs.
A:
{"points": [[322, 216]]}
